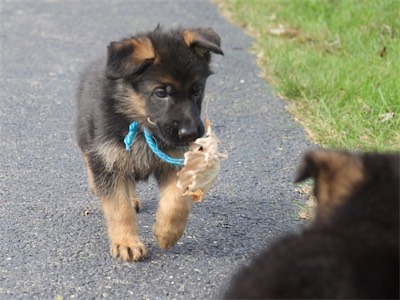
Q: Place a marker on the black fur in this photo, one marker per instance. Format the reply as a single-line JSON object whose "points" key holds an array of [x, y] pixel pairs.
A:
{"points": [[354, 254]]}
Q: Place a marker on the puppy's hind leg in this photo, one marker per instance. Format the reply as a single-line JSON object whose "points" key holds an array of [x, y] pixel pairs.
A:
{"points": [[135, 200], [172, 214], [90, 177]]}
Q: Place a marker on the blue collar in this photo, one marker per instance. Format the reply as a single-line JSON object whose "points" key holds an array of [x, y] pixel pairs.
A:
{"points": [[128, 140]]}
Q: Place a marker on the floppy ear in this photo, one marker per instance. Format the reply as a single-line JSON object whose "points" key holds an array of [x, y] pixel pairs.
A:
{"points": [[328, 164], [337, 174], [203, 41], [307, 168], [129, 56]]}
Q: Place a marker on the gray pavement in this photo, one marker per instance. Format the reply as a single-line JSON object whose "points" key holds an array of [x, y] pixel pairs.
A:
{"points": [[53, 239]]}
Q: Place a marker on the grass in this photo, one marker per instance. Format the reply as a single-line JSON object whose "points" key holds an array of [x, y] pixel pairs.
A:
{"points": [[336, 61]]}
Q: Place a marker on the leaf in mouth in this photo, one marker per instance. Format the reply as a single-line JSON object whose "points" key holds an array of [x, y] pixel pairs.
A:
{"points": [[202, 165]]}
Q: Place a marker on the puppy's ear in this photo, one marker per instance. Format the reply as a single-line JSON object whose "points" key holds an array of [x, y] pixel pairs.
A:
{"points": [[336, 174], [327, 164], [203, 41], [129, 56], [307, 168]]}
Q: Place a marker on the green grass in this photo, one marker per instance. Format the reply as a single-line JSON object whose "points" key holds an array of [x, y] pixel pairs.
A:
{"points": [[328, 61]]}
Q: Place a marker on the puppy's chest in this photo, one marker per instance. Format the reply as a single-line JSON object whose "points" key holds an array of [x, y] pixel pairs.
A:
{"points": [[138, 162]]}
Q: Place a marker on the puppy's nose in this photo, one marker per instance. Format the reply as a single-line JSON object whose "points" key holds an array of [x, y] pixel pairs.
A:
{"points": [[188, 134]]}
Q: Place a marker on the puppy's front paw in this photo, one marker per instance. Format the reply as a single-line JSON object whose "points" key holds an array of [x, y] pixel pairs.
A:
{"points": [[134, 250], [166, 238]]}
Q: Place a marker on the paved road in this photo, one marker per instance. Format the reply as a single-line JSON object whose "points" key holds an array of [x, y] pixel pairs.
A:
{"points": [[49, 246]]}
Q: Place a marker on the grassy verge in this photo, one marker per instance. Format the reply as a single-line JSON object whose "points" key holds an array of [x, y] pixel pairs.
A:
{"points": [[336, 61]]}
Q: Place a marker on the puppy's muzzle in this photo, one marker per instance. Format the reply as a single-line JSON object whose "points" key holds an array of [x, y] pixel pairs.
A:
{"points": [[189, 134]]}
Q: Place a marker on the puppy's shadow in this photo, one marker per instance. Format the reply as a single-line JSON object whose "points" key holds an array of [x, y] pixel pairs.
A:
{"points": [[215, 231]]}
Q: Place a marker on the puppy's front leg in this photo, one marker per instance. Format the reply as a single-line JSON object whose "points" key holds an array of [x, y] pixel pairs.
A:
{"points": [[120, 215], [172, 214]]}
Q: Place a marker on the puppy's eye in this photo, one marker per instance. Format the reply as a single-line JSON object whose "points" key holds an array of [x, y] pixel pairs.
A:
{"points": [[161, 93], [197, 91]]}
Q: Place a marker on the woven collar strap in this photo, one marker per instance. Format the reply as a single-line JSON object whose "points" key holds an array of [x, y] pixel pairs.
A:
{"points": [[129, 138]]}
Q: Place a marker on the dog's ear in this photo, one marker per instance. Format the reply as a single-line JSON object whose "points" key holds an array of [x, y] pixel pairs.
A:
{"points": [[203, 41], [307, 168], [336, 175], [327, 164], [129, 56]]}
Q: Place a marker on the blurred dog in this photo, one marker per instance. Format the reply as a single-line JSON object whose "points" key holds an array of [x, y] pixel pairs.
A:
{"points": [[156, 79], [351, 250]]}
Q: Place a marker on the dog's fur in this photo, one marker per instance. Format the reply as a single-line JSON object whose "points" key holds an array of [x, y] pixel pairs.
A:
{"points": [[157, 79], [351, 250]]}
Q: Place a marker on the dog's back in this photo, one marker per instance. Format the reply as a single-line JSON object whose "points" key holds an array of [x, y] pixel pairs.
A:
{"points": [[351, 250]]}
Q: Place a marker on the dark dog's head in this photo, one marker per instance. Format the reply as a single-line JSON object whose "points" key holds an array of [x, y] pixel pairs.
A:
{"points": [[164, 75], [369, 182]]}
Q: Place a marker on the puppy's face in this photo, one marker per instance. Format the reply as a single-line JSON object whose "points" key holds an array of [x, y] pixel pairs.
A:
{"points": [[165, 74], [173, 98]]}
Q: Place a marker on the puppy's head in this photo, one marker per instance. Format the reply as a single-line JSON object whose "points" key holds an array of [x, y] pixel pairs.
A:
{"points": [[340, 177], [336, 174], [164, 73]]}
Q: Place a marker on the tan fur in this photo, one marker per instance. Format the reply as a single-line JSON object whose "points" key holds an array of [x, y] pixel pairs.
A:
{"points": [[136, 203], [125, 243], [135, 200], [172, 214], [189, 37], [143, 49], [113, 156], [137, 106], [117, 158], [131, 104], [339, 174], [90, 177], [167, 80]]}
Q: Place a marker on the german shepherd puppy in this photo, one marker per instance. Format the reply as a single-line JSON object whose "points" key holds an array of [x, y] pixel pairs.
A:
{"points": [[157, 79], [351, 250]]}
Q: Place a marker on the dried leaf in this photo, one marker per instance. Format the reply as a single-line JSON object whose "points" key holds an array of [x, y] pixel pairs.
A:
{"points": [[86, 211], [382, 53], [281, 30], [202, 164], [386, 117]]}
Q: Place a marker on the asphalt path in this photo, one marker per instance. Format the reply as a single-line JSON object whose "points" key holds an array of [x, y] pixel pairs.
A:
{"points": [[53, 241]]}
